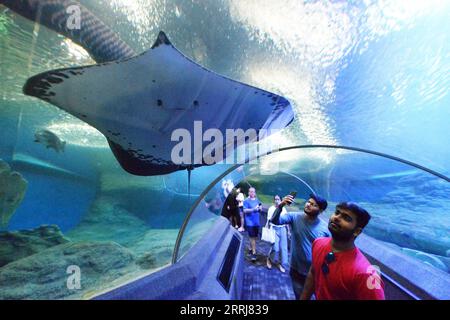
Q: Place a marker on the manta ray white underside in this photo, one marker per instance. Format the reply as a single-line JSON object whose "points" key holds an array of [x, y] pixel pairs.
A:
{"points": [[137, 103]]}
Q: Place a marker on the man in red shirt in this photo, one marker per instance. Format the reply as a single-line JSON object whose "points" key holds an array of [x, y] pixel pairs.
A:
{"points": [[339, 270]]}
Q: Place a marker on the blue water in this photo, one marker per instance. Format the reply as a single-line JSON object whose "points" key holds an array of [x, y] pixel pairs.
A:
{"points": [[393, 97], [370, 74]]}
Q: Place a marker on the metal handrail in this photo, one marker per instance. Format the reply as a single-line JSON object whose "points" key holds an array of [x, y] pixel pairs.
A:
{"points": [[301, 180]]}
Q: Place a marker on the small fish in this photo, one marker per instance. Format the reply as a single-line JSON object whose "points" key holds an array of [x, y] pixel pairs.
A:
{"points": [[49, 139]]}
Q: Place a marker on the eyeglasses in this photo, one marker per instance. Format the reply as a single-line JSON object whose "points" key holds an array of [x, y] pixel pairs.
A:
{"points": [[329, 258]]}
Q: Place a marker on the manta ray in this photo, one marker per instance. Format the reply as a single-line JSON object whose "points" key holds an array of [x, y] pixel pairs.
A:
{"points": [[137, 100]]}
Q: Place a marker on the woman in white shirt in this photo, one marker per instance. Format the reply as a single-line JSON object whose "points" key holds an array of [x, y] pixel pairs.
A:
{"points": [[278, 252], [240, 199]]}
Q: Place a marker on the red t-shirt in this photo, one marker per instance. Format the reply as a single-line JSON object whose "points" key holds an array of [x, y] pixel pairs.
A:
{"points": [[350, 276]]}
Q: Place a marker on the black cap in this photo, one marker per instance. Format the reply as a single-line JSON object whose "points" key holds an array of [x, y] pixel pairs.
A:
{"points": [[321, 202]]}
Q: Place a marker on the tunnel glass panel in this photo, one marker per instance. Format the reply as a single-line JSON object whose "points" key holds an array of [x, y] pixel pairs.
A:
{"points": [[208, 208], [409, 207], [82, 220], [356, 73]]}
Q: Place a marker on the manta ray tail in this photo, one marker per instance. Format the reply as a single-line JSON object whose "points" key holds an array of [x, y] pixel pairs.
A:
{"points": [[189, 169]]}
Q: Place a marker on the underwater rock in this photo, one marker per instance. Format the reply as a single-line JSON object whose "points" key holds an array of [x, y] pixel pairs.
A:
{"points": [[147, 261], [5, 24], [158, 243], [20, 244], [12, 191], [50, 140], [45, 275], [108, 221]]}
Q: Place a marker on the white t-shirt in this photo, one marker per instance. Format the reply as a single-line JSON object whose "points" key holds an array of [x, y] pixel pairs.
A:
{"points": [[270, 212], [240, 198]]}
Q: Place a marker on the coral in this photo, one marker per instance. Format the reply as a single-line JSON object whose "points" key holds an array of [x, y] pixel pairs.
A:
{"points": [[5, 23], [20, 244], [45, 275], [12, 191]]}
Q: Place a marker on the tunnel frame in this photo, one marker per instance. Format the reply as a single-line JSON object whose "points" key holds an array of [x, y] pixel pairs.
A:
{"points": [[180, 235]]}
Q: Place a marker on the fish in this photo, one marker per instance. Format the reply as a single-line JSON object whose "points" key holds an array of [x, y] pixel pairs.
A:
{"points": [[50, 140], [138, 100]]}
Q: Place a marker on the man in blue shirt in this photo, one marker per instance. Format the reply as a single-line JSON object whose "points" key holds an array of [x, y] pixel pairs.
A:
{"points": [[252, 208], [305, 228]]}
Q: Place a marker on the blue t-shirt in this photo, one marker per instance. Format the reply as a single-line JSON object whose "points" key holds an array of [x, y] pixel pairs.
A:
{"points": [[252, 218], [303, 233]]}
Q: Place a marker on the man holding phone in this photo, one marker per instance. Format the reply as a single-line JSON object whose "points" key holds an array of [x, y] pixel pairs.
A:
{"points": [[306, 227], [252, 208]]}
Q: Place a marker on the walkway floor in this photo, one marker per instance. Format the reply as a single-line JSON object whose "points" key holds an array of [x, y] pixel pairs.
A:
{"points": [[260, 283]]}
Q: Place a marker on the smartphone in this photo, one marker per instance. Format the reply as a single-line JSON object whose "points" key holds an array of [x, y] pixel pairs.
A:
{"points": [[293, 194]]}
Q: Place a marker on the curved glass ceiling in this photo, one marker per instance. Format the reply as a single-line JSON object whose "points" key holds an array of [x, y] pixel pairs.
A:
{"points": [[409, 206]]}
